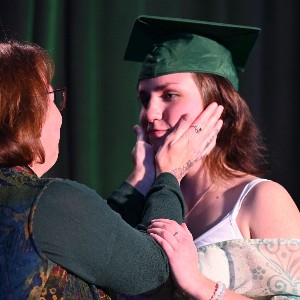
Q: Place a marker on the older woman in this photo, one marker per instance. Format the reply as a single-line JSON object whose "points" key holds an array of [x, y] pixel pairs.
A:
{"points": [[60, 239]]}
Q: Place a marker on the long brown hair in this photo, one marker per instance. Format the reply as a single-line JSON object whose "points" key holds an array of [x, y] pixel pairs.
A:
{"points": [[239, 145], [25, 74]]}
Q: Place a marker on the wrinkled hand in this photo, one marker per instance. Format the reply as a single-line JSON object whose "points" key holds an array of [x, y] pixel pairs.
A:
{"points": [[143, 173], [177, 242], [187, 144]]}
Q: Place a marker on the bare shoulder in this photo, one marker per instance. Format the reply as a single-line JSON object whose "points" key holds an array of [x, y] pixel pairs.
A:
{"points": [[271, 212], [269, 192]]}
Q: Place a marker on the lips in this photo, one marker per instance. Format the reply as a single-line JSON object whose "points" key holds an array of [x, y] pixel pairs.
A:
{"points": [[156, 133]]}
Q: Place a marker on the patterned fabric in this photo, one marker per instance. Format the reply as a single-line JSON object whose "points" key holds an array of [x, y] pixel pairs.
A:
{"points": [[63, 285], [257, 269], [25, 272]]}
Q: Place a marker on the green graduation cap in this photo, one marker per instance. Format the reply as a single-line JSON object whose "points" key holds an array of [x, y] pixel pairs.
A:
{"points": [[173, 45]]}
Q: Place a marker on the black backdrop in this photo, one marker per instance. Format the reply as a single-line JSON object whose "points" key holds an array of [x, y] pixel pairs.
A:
{"points": [[87, 39]]}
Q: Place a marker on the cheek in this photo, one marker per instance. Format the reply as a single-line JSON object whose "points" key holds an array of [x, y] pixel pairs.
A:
{"points": [[53, 125], [195, 106], [58, 121], [196, 109], [190, 108]]}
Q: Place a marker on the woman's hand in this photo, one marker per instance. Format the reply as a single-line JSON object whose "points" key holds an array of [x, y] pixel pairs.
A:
{"points": [[177, 242], [143, 173], [189, 141]]}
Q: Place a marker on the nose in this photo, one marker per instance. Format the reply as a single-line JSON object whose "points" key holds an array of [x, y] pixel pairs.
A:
{"points": [[154, 110]]}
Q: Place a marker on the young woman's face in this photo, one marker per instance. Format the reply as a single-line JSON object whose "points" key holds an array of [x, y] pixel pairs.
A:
{"points": [[164, 100]]}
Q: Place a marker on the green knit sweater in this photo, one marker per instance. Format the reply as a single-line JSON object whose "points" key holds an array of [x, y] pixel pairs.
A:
{"points": [[77, 229]]}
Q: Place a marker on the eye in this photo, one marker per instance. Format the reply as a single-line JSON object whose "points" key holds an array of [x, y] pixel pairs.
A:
{"points": [[144, 99], [169, 96]]}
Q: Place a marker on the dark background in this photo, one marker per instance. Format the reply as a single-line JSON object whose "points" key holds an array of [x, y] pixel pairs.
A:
{"points": [[87, 39]]}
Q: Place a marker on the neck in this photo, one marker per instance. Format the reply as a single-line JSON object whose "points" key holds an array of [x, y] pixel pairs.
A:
{"points": [[195, 184], [40, 169]]}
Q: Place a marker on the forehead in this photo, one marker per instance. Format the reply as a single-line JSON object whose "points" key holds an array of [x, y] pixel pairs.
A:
{"points": [[160, 82]]}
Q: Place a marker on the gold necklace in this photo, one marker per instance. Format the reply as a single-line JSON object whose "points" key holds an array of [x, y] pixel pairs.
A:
{"points": [[206, 191]]}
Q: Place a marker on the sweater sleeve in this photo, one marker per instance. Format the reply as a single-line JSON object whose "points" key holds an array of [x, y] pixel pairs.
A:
{"points": [[128, 202], [75, 228]]}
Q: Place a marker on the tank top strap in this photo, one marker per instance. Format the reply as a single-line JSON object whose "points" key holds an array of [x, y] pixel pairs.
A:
{"points": [[244, 193]]}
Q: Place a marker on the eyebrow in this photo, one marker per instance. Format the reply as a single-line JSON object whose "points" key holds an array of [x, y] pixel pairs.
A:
{"points": [[159, 87]]}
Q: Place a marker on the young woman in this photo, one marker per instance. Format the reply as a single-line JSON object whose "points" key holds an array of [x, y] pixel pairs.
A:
{"points": [[188, 65]]}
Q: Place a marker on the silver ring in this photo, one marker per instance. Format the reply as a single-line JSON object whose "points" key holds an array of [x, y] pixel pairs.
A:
{"points": [[175, 233], [197, 128]]}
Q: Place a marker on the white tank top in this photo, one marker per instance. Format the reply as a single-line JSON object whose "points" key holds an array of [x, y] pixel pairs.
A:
{"points": [[227, 228]]}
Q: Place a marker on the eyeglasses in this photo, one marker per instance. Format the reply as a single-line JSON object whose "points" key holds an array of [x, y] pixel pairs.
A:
{"points": [[60, 98]]}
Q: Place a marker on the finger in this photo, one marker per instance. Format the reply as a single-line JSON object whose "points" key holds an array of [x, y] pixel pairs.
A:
{"points": [[165, 223], [206, 113], [218, 126], [140, 134], [172, 236], [212, 139], [163, 243], [209, 116], [180, 128], [169, 237], [211, 122], [175, 239], [167, 231], [186, 230], [164, 227]]}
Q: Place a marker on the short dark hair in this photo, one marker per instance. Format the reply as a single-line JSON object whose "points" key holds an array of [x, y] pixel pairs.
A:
{"points": [[26, 71], [239, 144]]}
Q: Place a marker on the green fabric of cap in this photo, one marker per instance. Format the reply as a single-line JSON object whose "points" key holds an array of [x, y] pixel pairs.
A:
{"points": [[189, 53], [171, 45]]}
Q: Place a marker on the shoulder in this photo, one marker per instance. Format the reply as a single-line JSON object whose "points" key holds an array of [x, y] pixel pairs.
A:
{"points": [[269, 190], [64, 186], [64, 192], [271, 211], [63, 201], [269, 194]]}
